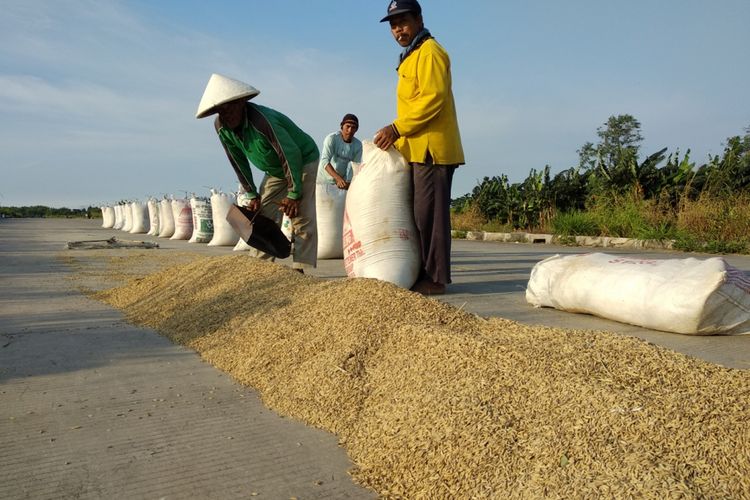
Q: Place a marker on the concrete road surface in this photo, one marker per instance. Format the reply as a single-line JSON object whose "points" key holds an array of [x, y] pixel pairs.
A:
{"points": [[91, 407]]}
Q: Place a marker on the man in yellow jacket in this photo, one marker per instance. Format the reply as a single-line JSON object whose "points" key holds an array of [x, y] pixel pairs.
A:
{"points": [[426, 133]]}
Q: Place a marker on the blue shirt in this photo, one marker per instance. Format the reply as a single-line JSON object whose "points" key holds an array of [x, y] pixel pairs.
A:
{"points": [[339, 154]]}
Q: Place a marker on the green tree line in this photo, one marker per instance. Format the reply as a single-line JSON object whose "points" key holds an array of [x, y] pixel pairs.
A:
{"points": [[44, 211], [613, 176]]}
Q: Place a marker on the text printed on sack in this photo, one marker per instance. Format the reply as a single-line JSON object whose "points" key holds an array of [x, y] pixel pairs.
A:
{"points": [[352, 251], [634, 262]]}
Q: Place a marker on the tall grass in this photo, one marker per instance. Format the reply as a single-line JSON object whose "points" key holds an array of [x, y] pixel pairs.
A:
{"points": [[710, 223], [623, 216], [471, 219], [576, 223], [631, 216], [715, 224]]}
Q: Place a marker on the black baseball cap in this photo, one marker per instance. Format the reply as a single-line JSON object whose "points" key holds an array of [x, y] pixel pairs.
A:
{"points": [[396, 7], [350, 118]]}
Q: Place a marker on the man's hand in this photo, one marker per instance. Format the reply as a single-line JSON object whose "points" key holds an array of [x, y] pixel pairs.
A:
{"points": [[290, 207], [250, 203], [341, 183], [385, 137], [254, 204]]}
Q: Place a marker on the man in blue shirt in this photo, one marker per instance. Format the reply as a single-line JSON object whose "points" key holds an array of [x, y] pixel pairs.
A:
{"points": [[339, 150]]}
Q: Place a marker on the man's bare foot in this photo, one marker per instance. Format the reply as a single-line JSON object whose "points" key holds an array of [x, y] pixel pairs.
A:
{"points": [[428, 287]]}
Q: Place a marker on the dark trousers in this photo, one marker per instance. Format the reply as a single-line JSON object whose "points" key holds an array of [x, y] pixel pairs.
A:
{"points": [[432, 198]]}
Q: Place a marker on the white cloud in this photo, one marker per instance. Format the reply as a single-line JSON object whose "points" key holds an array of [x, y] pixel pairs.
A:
{"points": [[34, 95]]}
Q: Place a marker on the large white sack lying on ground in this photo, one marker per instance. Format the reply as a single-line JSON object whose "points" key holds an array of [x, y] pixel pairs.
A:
{"points": [[330, 202], [153, 216], [166, 219], [140, 217], [203, 223], [183, 219], [224, 233], [690, 296], [379, 232]]}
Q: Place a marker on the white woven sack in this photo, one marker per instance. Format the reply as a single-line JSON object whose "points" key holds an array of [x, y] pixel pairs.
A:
{"points": [[121, 224], [111, 216], [330, 202], [183, 219], [153, 217], [127, 211], [224, 234], [140, 217], [287, 229], [203, 223], [242, 246], [119, 217], [689, 296], [108, 217], [166, 219], [379, 232]]}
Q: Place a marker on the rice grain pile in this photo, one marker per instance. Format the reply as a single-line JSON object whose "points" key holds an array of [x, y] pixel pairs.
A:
{"points": [[433, 402], [95, 269]]}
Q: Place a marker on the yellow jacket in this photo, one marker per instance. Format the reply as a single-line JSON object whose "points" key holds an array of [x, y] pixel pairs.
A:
{"points": [[425, 108]]}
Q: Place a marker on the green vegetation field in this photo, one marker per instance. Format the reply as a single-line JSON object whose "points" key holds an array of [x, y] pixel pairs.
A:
{"points": [[615, 192]]}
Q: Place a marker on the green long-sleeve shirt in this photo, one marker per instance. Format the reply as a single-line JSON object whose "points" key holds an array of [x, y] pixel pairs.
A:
{"points": [[273, 143]]}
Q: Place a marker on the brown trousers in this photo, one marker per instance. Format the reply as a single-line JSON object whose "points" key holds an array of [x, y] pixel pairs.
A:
{"points": [[272, 191], [432, 199]]}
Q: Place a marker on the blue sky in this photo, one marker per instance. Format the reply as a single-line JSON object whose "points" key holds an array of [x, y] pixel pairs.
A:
{"points": [[98, 97]]}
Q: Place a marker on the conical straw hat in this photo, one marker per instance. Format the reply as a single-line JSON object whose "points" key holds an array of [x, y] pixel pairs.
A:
{"points": [[221, 89]]}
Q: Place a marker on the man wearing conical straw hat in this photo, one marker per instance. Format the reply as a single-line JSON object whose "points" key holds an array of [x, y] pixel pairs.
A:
{"points": [[251, 133]]}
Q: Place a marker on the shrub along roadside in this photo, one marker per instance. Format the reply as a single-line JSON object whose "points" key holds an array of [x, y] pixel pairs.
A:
{"points": [[715, 224], [709, 224], [613, 192], [575, 223]]}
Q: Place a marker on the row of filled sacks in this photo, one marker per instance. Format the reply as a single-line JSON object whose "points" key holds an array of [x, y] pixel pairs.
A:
{"points": [[371, 227], [195, 219], [198, 219]]}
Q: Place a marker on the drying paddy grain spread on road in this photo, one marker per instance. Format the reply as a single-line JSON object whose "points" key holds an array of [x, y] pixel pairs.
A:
{"points": [[433, 402]]}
